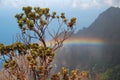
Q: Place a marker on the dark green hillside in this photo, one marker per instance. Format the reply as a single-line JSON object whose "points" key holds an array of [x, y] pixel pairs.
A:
{"points": [[96, 58]]}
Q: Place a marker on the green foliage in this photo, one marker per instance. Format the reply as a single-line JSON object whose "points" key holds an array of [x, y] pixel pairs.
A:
{"points": [[8, 49], [55, 76], [70, 75], [34, 59], [10, 64], [1, 48], [111, 74], [41, 16]]}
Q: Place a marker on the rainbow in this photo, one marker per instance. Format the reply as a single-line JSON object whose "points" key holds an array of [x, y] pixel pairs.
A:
{"points": [[82, 41]]}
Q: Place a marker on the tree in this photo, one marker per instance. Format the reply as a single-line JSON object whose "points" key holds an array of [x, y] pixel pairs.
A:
{"points": [[32, 61]]}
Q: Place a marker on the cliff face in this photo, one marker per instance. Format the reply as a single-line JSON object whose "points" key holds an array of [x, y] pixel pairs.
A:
{"points": [[106, 27]]}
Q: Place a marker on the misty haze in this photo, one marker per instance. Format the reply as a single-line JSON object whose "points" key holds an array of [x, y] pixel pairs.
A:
{"points": [[97, 57], [80, 41]]}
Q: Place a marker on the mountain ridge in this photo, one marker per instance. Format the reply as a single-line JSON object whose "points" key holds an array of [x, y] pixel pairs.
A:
{"points": [[105, 27]]}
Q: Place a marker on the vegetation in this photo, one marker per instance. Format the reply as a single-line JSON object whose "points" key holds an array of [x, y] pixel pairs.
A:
{"points": [[33, 61], [111, 74]]}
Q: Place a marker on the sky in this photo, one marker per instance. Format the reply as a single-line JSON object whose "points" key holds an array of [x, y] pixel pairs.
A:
{"points": [[86, 12]]}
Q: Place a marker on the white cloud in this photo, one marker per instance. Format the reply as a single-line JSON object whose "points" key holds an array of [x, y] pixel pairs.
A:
{"points": [[82, 4], [85, 4], [109, 2], [90, 4], [74, 4], [115, 3], [41, 3]]}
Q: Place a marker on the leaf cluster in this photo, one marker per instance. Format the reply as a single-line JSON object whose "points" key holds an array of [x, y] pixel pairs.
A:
{"points": [[8, 49], [70, 75], [38, 51], [40, 17], [10, 64]]}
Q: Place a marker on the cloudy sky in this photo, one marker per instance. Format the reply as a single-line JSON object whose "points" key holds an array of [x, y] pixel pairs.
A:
{"points": [[86, 12], [81, 4]]}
